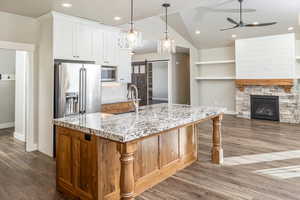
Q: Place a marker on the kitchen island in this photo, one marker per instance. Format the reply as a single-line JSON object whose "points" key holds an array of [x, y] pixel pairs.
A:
{"points": [[103, 156]]}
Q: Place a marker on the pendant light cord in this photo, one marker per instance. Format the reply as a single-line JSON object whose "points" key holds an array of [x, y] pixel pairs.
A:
{"points": [[166, 33], [131, 17]]}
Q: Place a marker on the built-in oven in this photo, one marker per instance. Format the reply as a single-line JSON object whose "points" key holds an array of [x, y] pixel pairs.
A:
{"points": [[108, 74]]}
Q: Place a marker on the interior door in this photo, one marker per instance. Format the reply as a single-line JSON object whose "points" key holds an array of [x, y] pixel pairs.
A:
{"points": [[92, 88]]}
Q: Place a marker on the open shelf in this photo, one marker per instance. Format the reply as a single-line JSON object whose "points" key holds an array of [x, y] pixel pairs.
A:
{"points": [[215, 78], [215, 62], [297, 57]]}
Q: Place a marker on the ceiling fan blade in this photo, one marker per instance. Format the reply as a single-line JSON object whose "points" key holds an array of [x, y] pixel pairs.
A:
{"points": [[230, 28], [232, 21], [233, 10], [261, 24]]}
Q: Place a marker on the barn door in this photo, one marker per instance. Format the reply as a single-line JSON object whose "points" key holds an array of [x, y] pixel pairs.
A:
{"points": [[139, 78]]}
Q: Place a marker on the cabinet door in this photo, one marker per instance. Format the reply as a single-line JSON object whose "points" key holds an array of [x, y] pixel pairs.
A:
{"points": [[98, 46], [124, 66], [110, 48], [63, 39], [85, 173], [64, 163], [84, 42]]}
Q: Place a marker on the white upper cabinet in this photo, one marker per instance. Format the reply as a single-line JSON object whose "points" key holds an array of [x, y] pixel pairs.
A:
{"points": [[110, 48], [98, 46], [77, 39], [63, 39], [84, 42], [72, 40], [124, 66]]}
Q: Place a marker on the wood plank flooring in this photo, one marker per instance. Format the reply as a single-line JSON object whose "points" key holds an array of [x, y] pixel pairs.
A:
{"points": [[31, 176]]}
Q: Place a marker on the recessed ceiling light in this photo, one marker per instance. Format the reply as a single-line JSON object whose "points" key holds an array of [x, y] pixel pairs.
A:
{"points": [[234, 36], [197, 32], [66, 5], [255, 23], [117, 18], [291, 28]]}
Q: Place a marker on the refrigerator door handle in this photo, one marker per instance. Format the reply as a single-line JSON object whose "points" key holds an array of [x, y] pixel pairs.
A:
{"points": [[81, 90], [84, 89]]}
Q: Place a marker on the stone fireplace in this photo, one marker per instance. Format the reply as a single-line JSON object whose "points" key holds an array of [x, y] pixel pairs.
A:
{"points": [[288, 102]]}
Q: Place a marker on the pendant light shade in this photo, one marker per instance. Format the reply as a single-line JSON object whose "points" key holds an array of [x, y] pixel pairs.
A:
{"points": [[134, 37], [166, 44]]}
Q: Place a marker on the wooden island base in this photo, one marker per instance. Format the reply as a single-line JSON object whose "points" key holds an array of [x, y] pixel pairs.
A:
{"points": [[92, 168]]}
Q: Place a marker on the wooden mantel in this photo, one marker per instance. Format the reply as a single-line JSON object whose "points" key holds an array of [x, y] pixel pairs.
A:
{"points": [[286, 84]]}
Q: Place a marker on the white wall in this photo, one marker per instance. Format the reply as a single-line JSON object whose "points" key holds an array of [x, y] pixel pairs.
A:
{"points": [[20, 29], [7, 88], [268, 57], [46, 87], [16, 28], [21, 60], [160, 80], [217, 92]]}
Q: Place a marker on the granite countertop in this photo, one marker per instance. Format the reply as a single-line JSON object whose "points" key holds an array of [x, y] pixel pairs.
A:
{"points": [[131, 126]]}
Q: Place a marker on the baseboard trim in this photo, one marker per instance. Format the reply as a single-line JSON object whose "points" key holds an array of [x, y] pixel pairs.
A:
{"points": [[160, 99], [230, 112], [7, 125], [19, 136]]}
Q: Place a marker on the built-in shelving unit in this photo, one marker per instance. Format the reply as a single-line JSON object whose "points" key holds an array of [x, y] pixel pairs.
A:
{"points": [[215, 62], [215, 78]]}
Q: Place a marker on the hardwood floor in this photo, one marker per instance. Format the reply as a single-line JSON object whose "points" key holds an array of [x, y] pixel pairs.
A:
{"points": [[30, 176]]}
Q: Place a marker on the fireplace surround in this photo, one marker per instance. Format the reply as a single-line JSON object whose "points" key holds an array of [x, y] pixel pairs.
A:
{"points": [[288, 102]]}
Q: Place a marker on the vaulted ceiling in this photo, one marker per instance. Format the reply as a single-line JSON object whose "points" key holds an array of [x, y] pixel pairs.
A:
{"points": [[208, 16]]}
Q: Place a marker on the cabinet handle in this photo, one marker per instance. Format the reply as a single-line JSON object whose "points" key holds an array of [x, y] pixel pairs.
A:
{"points": [[87, 137]]}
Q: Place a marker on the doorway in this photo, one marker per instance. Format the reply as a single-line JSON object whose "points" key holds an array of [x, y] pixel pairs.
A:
{"points": [[152, 81], [16, 90], [158, 82]]}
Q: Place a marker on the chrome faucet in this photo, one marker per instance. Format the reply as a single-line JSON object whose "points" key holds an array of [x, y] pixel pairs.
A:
{"points": [[133, 94]]}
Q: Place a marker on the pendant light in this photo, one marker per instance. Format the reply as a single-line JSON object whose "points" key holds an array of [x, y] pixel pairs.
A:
{"points": [[166, 44], [134, 37]]}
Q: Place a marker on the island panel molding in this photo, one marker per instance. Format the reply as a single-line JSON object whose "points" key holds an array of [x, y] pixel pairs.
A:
{"points": [[286, 84]]}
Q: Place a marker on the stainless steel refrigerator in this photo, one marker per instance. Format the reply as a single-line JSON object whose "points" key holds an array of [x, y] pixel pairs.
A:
{"points": [[77, 89]]}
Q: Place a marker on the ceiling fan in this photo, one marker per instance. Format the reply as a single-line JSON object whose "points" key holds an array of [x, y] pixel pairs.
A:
{"points": [[241, 24]]}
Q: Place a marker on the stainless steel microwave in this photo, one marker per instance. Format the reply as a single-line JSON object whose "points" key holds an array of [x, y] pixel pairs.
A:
{"points": [[108, 74]]}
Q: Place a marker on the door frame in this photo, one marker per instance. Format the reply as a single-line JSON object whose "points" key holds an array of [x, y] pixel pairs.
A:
{"points": [[169, 63], [29, 90]]}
